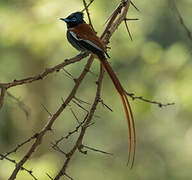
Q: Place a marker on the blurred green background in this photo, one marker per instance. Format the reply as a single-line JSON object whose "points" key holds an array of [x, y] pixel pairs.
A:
{"points": [[156, 65]]}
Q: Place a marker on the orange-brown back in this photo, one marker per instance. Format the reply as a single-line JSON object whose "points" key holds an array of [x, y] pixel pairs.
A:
{"points": [[85, 32]]}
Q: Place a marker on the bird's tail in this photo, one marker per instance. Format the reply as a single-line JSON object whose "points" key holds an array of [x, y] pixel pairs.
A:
{"points": [[127, 108]]}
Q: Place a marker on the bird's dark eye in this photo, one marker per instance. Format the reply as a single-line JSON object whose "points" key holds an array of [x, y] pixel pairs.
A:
{"points": [[74, 19]]}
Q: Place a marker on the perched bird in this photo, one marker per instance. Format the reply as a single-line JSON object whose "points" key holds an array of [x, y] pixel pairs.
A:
{"points": [[83, 38]]}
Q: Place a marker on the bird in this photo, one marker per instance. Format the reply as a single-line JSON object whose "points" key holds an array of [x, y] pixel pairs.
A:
{"points": [[83, 38]]}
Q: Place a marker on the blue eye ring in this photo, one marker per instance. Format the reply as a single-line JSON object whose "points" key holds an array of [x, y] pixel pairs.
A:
{"points": [[74, 19]]}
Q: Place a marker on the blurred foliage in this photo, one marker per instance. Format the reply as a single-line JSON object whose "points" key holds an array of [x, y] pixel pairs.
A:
{"points": [[156, 65]]}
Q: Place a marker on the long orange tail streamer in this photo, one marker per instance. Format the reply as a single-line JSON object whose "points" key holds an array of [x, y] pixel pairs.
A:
{"points": [[127, 109]]}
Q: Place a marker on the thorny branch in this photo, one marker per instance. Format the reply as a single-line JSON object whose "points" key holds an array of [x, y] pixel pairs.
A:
{"points": [[69, 133], [87, 11], [132, 95], [116, 18], [87, 6], [18, 147], [30, 172], [49, 124], [5, 86], [78, 143]]}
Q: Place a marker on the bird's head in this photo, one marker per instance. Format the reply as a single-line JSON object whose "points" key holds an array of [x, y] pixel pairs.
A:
{"points": [[74, 19]]}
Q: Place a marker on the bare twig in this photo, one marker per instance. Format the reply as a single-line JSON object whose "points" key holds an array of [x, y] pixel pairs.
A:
{"points": [[84, 109], [80, 106], [131, 19], [5, 86], [45, 73], [75, 116], [21, 104], [50, 114], [81, 101], [114, 22], [49, 176], [30, 172], [90, 2], [57, 148], [87, 11], [69, 74], [105, 105], [69, 133], [96, 150], [111, 20], [180, 19], [19, 146], [148, 101], [69, 177], [126, 25], [134, 6]]}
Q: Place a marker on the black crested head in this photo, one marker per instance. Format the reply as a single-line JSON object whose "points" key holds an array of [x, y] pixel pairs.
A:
{"points": [[74, 19]]}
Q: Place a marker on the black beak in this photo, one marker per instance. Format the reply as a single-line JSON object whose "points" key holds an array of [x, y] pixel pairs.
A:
{"points": [[65, 19]]}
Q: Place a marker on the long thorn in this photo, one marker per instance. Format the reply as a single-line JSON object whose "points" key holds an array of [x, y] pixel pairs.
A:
{"points": [[126, 25], [131, 19], [134, 6]]}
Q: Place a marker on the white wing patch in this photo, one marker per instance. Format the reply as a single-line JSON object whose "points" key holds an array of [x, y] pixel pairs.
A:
{"points": [[75, 36], [87, 41], [92, 44]]}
